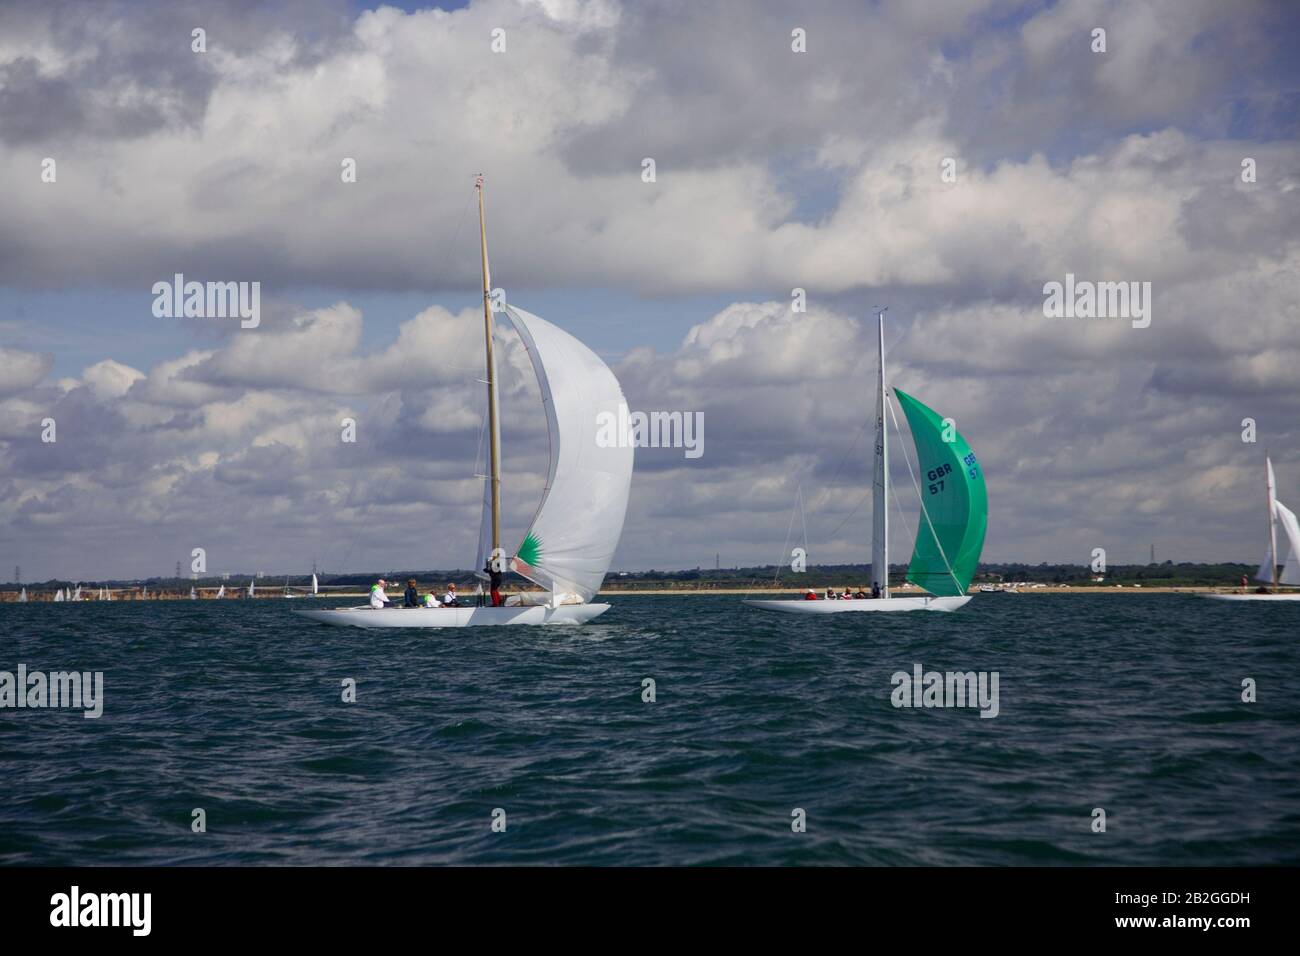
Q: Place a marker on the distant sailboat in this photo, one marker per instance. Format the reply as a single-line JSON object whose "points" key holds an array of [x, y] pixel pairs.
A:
{"points": [[1273, 571], [76, 595], [58, 595], [951, 525], [569, 546], [251, 589], [194, 595], [144, 592], [221, 591], [22, 597], [315, 585]]}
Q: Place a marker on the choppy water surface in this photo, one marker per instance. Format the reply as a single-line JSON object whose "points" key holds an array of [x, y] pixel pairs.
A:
{"points": [[1131, 703]]}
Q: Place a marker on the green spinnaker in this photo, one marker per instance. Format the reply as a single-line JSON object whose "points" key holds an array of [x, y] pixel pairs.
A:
{"points": [[953, 492]]}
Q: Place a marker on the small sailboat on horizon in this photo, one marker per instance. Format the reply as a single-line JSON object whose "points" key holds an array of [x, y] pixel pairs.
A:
{"points": [[1273, 571], [950, 528]]}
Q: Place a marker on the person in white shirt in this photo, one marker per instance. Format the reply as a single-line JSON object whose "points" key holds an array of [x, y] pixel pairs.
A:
{"points": [[449, 599], [378, 599]]}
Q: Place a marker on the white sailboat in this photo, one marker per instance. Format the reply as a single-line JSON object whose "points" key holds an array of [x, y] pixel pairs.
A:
{"points": [[315, 585], [569, 546], [194, 595], [251, 589], [221, 591], [76, 595], [22, 596], [951, 525], [1274, 571], [58, 595]]}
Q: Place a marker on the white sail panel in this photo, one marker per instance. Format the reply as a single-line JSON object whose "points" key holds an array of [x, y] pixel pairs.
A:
{"points": [[572, 539], [1286, 518]]}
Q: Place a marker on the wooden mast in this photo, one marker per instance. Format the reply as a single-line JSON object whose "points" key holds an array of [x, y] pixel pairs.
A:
{"points": [[494, 437], [1269, 481]]}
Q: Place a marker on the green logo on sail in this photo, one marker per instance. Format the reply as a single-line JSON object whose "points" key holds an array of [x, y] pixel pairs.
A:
{"points": [[530, 552]]}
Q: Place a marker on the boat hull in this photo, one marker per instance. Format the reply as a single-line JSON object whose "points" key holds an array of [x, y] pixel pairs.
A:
{"points": [[455, 616], [891, 605], [1251, 597]]}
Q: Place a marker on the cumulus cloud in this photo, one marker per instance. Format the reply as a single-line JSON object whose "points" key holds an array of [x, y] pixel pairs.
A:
{"points": [[774, 170]]}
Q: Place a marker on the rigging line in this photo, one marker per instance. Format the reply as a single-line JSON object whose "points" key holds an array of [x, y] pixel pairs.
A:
{"points": [[865, 495], [802, 519], [749, 588], [402, 366], [924, 511], [840, 466]]}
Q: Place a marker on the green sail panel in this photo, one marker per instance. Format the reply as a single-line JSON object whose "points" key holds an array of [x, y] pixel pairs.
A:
{"points": [[952, 489]]}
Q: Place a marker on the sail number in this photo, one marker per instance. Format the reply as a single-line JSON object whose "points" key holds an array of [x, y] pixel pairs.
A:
{"points": [[936, 476]]}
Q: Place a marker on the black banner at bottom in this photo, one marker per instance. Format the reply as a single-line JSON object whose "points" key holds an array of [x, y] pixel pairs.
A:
{"points": [[214, 905]]}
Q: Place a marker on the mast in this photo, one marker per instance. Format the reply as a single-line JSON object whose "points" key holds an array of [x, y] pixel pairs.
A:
{"points": [[494, 437], [1274, 566], [880, 487]]}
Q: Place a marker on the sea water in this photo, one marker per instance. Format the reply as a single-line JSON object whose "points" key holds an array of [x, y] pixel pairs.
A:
{"points": [[672, 730]]}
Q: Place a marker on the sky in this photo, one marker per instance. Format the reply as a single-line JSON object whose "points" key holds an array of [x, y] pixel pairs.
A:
{"points": [[947, 160]]}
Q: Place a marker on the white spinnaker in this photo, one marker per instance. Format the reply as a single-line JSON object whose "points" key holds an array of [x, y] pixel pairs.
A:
{"points": [[571, 542], [1290, 525]]}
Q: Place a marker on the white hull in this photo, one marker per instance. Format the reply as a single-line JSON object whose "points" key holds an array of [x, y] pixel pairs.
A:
{"points": [[1252, 597], [927, 603], [456, 616]]}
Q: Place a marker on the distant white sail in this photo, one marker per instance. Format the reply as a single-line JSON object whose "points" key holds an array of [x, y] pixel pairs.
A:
{"points": [[22, 598], [251, 589], [1291, 570], [571, 542], [193, 594], [76, 595], [315, 585], [221, 591], [58, 595]]}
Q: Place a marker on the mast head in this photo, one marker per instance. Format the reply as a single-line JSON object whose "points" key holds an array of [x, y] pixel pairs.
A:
{"points": [[478, 181]]}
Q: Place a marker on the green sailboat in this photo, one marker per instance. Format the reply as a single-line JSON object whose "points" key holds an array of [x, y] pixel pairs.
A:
{"points": [[952, 519]]}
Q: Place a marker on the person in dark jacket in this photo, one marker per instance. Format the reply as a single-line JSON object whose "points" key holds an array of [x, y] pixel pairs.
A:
{"points": [[412, 598], [494, 582]]}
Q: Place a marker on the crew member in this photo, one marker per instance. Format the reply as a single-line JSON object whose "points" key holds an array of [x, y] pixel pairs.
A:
{"points": [[378, 599]]}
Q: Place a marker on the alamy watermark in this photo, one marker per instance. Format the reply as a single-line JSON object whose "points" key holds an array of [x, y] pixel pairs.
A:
{"points": [[83, 690], [651, 430], [208, 300], [76, 908], [950, 689], [1084, 299]]}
